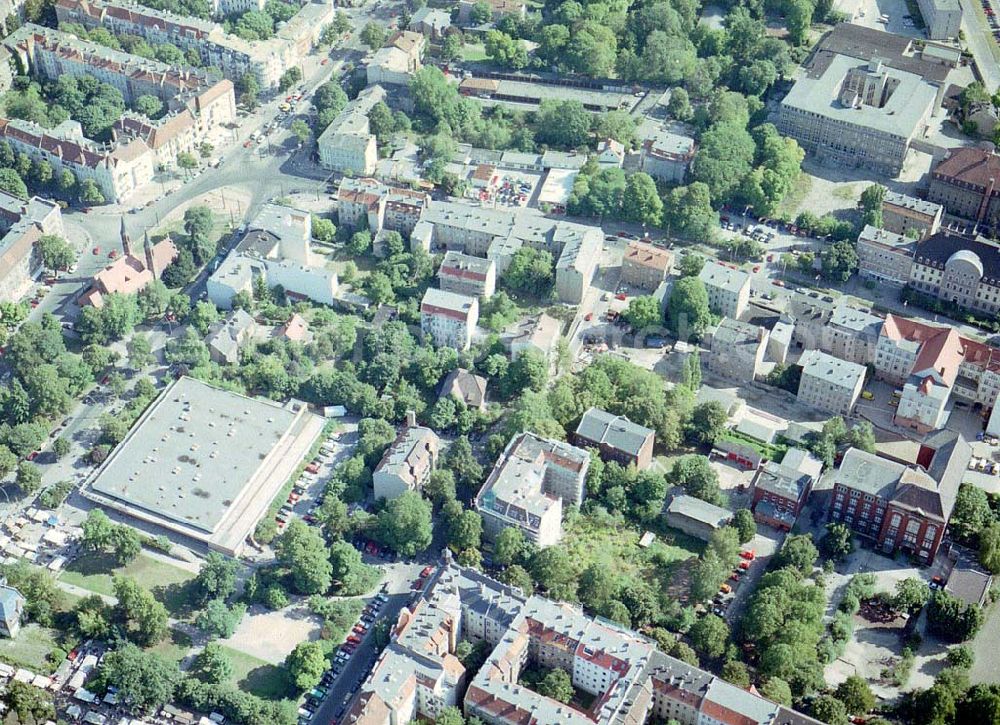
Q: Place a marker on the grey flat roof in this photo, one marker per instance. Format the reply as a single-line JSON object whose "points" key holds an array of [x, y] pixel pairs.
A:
{"points": [[192, 452], [720, 276], [816, 92], [833, 370], [921, 206]]}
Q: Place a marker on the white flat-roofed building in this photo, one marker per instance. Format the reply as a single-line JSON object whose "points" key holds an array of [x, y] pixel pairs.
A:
{"points": [[943, 18], [851, 334], [347, 144], [528, 486], [468, 275], [448, 319], [176, 469], [828, 383], [728, 289]]}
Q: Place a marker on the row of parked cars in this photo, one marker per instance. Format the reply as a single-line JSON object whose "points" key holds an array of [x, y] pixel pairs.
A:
{"points": [[308, 478], [316, 696], [725, 594]]}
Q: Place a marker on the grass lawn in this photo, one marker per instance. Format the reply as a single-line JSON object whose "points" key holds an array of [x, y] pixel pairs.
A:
{"points": [[257, 676], [95, 572], [30, 649], [473, 51], [175, 647]]}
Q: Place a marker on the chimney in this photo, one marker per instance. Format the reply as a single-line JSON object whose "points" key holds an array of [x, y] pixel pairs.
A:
{"points": [[411, 419]]}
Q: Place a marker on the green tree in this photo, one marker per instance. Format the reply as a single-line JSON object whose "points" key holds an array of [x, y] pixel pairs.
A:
{"points": [[140, 354], [856, 695], [212, 665], [562, 123], [185, 160], [687, 310], [871, 205], [798, 552], [777, 690], [143, 618], [323, 230], [505, 50], [55, 252], [149, 106], [708, 422], [145, 680], [218, 619], [216, 579], [351, 575], [13, 184], [745, 525], [828, 709], [300, 130], [405, 524], [694, 474], [303, 550], [531, 271], [989, 547], [27, 703], [29, 477], [126, 544], [305, 664], [510, 547], [971, 513], [374, 35], [690, 265], [838, 542], [839, 261], [552, 569], [709, 636], [97, 530], [557, 685], [643, 312]]}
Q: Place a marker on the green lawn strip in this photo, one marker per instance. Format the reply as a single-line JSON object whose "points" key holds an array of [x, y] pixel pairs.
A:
{"points": [[473, 52], [31, 648], [95, 573], [256, 676], [175, 647]]}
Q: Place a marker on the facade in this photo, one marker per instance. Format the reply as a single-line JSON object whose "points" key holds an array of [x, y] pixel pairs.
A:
{"points": [[942, 18], [885, 257], [118, 172], [395, 64], [728, 289], [198, 489], [347, 144], [695, 517], [965, 184], [964, 272], [645, 265], [780, 490], [408, 463], [498, 9], [386, 208], [11, 610], [277, 247], [851, 334], [577, 262], [467, 275], [616, 438], [864, 97], [901, 506], [910, 216], [267, 60], [736, 350], [667, 156], [431, 23], [22, 224], [528, 486], [448, 319], [227, 337], [828, 383]]}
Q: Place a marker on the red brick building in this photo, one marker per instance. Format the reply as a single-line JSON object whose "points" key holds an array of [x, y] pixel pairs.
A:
{"points": [[901, 505]]}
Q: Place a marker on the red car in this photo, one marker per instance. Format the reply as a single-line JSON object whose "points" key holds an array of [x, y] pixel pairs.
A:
{"points": [[324, 61], [97, 250], [744, 565], [33, 455], [247, 144], [354, 639], [735, 576], [620, 296], [113, 254], [589, 316], [749, 555], [312, 468], [756, 268], [426, 571]]}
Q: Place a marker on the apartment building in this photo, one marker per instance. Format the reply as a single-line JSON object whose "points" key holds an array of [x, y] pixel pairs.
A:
{"points": [[528, 486], [381, 206], [448, 319], [498, 234], [616, 438], [22, 224], [538, 334], [468, 275], [736, 349], [498, 10], [347, 145], [728, 288], [865, 96], [277, 247], [418, 675], [884, 256], [407, 464], [646, 265], [910, 216], [964, 272], [942, 18], [851, 334], [118, 171], [965, 184], [667, 155], [901, 505], [828, 383], [267, 60], [780, 490]]}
